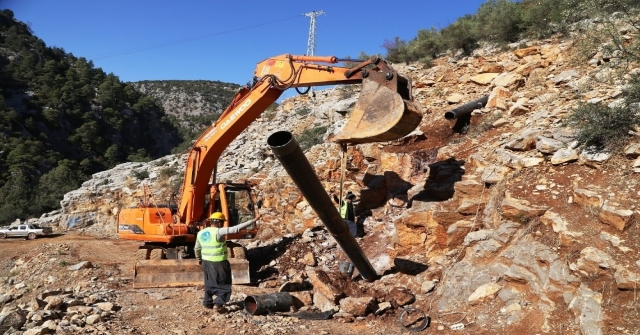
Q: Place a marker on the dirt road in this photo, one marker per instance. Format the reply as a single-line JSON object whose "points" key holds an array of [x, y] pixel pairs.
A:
{"points": [[154, 311]]}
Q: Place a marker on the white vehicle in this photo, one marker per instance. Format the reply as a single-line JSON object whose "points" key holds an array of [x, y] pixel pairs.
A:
{"points": [[28, 231]]}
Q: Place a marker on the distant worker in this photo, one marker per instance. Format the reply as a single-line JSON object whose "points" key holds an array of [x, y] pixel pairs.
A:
{"points": [[211, 251], [348, 214], [252, 82]]}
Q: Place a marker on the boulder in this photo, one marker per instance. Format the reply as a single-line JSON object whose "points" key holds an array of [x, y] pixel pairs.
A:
{"points": [[323, 303], [587, 198], [521, 53], [483, 293], [401, 296], [483, 78], [591, 259], [520, 210], [357, 306], [617, 218], [81, 265], [53, 303], [14, 319], [324, 284], [626, 279]]}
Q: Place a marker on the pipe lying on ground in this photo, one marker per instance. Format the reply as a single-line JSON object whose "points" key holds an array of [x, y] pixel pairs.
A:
{"points": [[286, 149], [466, 108], [268, 303]]}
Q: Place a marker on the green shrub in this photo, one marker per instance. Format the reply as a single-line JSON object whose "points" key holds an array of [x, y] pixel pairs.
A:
{"points": [[426, 46], [396, 50], [140, 175], [139, 156], [607, 127], [542, 18], [578, 10], [631, 92], [499, 21], [161, 162], [603, 127], [505, 21], [462, 34], [303, 111], [168, 172], [362, 56], [311, 137]]}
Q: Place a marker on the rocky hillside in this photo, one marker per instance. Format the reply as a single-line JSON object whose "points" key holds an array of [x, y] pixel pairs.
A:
{"points": [[506, 226], [194, 102]]}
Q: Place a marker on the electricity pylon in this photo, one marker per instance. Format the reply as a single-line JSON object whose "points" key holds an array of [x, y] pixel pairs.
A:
{"points": [[311, 44]]}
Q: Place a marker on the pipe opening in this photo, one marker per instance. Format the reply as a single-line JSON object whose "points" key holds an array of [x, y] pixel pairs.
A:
{"points": [[279, 138], [449, 115], [250, 305]]}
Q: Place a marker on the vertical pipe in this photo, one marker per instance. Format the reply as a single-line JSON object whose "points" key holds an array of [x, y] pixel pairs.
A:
{"points": [[286, 149]]}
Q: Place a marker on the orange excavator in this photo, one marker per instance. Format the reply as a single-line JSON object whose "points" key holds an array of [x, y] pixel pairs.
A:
{"points": [[385, 111]]}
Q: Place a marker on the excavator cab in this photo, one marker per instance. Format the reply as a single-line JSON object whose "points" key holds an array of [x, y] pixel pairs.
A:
{"points": [[238, 206]]}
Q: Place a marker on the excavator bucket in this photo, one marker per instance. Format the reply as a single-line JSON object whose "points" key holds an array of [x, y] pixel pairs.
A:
{"points": [[381, 114], [182, 273]]}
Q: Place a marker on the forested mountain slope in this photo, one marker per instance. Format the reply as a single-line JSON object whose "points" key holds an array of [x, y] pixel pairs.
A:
{"points": [[62, 119]]}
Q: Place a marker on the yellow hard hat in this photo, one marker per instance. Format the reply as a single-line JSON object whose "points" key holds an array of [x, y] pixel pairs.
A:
{"points": [[217, 216]]}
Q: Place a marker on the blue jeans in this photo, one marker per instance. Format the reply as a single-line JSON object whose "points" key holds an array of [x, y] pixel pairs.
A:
{"points": [[353, 228]]}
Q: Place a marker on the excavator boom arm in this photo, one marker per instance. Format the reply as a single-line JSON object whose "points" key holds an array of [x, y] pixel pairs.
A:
{"points": [[397, 115], [306, 71]]}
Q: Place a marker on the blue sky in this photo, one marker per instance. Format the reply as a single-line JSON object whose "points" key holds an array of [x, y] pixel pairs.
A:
{"points": [[222, 40]]}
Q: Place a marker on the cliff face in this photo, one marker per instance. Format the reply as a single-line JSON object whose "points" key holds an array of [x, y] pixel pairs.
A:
{"points": [[513, 223]]}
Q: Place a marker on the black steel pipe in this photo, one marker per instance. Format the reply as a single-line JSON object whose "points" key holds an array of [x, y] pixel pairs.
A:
{"points": [[286, 149], [466, 108], [268, 303]]}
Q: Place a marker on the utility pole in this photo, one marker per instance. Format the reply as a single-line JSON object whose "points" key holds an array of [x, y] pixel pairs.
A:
{"points": [[311, 44]]}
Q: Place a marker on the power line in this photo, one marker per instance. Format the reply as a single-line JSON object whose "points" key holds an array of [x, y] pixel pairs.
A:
{"points": [[164, 44]]}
